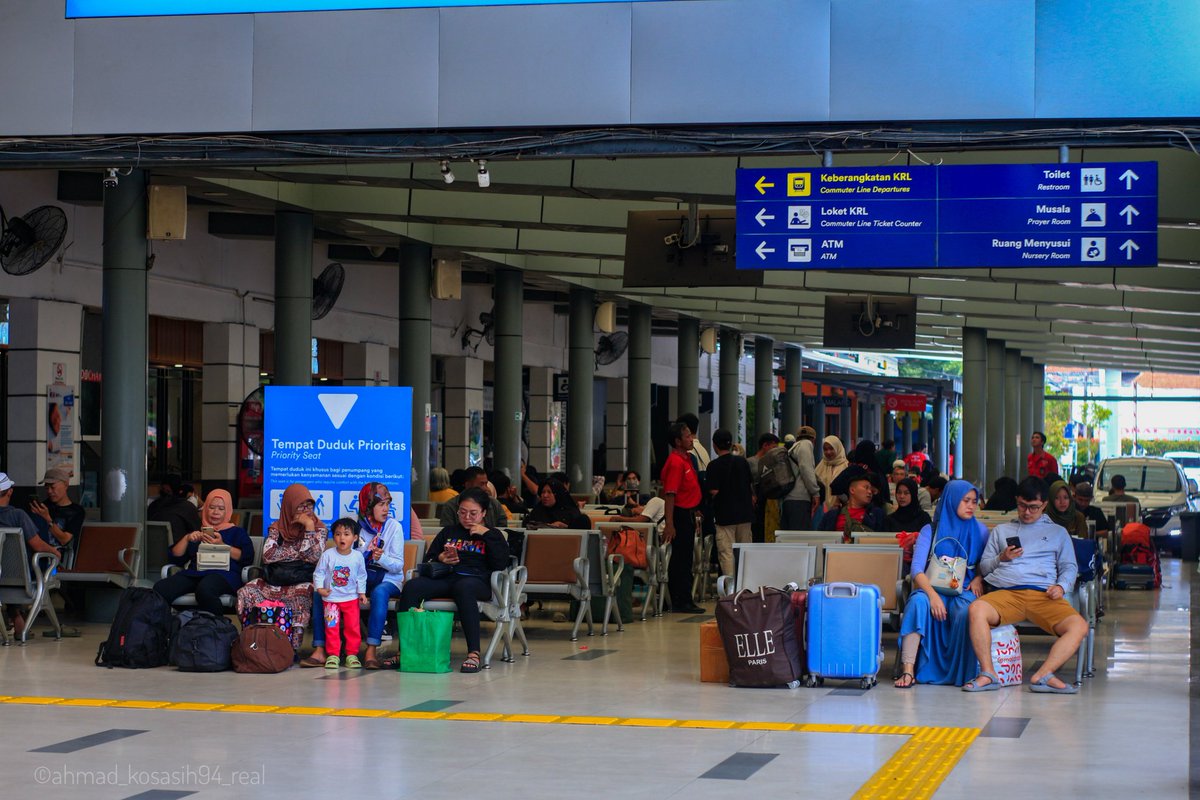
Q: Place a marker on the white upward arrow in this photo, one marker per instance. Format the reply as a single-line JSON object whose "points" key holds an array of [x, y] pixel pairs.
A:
{"points": [[1129, 247], [1129, 176], [1129, 212], [762, 250], [762, 216]]}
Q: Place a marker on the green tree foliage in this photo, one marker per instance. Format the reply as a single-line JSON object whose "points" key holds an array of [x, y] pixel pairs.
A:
{"points": [[1157, 447], [1058, 415], [924, 368]]}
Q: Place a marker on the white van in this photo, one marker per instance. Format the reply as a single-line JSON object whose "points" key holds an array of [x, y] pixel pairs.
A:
{"points": [[1159, 484]]}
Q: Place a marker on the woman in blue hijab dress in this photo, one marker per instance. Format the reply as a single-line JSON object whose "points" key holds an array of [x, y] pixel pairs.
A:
{"points": [[935, 647]]}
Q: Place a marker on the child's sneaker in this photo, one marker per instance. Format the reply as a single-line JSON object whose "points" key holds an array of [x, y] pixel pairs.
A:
{"points": [[352, 662], [333, 662]]}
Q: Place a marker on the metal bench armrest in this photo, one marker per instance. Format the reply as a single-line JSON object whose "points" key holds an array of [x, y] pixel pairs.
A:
{"points": [[131, 559]]}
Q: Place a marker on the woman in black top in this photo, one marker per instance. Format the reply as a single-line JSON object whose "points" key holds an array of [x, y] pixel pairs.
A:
{"points": [[473, 552], [908, 517], [555, 508]]}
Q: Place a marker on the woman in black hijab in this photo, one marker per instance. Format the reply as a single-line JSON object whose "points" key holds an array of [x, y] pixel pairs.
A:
{"points": [[908, 516], [555, 508]]}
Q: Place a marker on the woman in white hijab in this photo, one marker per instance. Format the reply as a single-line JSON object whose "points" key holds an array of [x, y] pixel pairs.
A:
{"points": [[833, 462]]}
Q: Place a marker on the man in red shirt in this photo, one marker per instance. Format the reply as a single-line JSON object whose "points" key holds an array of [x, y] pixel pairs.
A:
{"points": [[915, 461], [1040, 463], [681, 495]]}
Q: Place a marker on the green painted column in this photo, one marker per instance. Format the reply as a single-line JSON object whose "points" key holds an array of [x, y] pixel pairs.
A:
{"points": [[1026, 401], [764, 379], [416, 367], [973, 434], [581, 372], [1013, 435], [793, 398], [688, 400], [507, 416], [639, 400], [293, 298], [729, 356], [124, 324], [995, 412], [1039, 397]]}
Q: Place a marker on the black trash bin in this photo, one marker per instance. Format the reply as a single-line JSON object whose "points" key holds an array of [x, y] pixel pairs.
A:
{"points": [[1189, 536]]}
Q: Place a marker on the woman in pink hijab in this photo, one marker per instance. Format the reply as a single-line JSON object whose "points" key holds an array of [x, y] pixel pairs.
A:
{"points": [[210, 584]]}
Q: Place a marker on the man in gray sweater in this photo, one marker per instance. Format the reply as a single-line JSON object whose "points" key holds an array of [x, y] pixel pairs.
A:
{"points": [[1029, 566]]}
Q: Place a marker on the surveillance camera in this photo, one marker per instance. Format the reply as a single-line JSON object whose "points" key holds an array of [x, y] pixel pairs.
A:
{"points": [[110, 179]]}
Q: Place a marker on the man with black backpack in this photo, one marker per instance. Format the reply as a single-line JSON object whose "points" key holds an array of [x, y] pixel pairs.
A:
{"points": [[732, 492], [765, 475]]}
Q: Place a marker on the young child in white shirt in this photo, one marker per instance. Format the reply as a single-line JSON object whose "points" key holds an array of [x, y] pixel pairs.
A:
{"points": [[341, 580]]}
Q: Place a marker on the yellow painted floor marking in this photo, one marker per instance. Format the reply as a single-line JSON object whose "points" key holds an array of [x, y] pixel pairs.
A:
{"points": [[648, 722], [140, 704], [360, 712], [247, 709], [915, 771]]}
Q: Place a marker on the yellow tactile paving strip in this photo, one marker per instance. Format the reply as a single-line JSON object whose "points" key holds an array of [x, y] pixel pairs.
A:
{"points": [[915, 771]]}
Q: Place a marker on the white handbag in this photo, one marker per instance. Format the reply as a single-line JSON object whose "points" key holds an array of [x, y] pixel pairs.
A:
{"points": [[212, 556], [947, 574]]}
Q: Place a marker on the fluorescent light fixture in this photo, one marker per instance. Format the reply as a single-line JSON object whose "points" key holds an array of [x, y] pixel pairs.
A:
{"points": [[447, 174]]}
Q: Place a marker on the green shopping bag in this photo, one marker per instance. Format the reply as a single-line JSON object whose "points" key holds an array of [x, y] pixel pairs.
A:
{"points": [[424, 640]]}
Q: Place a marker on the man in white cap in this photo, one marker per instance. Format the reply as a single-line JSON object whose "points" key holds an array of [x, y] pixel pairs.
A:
{"points": [[16, 518], [58, 520]]}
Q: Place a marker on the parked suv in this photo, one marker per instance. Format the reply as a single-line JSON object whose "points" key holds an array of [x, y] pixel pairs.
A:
{"points": [[1161, 487]]}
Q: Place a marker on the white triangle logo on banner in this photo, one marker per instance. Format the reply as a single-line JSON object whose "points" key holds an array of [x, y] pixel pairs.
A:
{"points": [[337, 406]]}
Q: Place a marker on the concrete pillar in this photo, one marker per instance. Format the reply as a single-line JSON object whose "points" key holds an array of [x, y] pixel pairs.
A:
{"points": [[1026, 403], [415, 365], [973, 431], [230, 374], [941, 433], [43, 335], [616, 423], [1039, 397], [764, 386], [1013, 435], [996, 407], [958, 448], [729, 369], [818, 421], [689, 367], [793, 398], [581, 369], [904, 446], [464, 399], [508, 381], [638, 391], [126, 351], [845, 423], [293, 298], [365, 364], [544, 418]]}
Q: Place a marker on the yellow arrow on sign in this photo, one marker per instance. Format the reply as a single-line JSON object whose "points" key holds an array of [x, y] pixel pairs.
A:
{"points": [[762, 185]]}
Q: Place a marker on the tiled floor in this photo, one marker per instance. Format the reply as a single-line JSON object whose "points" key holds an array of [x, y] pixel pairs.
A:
{"points": [[1124, 735]]}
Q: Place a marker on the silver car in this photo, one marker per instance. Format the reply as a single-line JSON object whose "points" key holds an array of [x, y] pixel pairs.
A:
{"points": [[1160, 486]]}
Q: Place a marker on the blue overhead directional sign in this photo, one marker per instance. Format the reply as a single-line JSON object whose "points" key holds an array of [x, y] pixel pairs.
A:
{"points": [[1004, 215], [335, 440]]}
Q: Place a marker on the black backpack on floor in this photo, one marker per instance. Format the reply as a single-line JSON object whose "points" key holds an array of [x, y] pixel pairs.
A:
{"points": [[202, 642], [140, 635]]}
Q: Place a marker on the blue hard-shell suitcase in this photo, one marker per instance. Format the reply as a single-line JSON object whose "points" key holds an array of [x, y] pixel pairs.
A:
{"points": [[845, 632]]}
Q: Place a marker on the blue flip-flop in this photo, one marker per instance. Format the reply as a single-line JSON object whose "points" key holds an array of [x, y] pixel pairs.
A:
{"points": [[1043, 687], [971, 686]]}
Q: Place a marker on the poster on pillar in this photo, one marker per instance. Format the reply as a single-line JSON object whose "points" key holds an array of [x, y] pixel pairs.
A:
{"points": [[60, 426], [333, 440]]}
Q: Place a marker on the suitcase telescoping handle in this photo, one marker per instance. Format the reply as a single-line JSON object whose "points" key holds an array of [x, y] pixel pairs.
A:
{"points": [[841, 589]]}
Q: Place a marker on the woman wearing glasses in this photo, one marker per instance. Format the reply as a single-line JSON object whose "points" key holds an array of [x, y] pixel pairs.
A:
{"points": [[291, 549], [472, 552]]}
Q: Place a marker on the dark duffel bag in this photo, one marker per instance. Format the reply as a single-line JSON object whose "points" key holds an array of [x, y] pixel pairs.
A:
{"points": [[203, 642], [758, 629]]}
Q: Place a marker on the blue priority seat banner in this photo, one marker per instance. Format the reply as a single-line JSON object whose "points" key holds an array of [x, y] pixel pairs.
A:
{"points": [[334, 440], [77, 9], [950, 216]]}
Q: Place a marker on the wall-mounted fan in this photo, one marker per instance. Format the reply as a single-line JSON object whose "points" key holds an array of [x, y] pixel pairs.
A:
{"points": [[488, 333], [326, 288], [611, 347], [28, 242], [250, 421]]}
